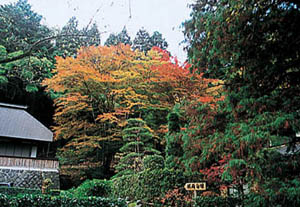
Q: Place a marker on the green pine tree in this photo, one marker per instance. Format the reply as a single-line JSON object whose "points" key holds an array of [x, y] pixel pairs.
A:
{"points": [[122, 37], [138, 141]]}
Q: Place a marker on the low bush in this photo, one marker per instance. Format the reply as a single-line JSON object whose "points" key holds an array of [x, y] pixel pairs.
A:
{"points": [[277, 192], [212, 201], [4, 201], [54, 201], [176, 197], [15, 191], [100, 188], [268, 199], [148, 185], [281, 199], [153, 162]]}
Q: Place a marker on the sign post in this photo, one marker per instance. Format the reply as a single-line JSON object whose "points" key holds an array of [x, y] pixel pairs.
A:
{"points": [[201, 186]]}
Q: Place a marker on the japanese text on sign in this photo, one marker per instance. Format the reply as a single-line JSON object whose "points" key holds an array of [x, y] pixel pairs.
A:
{"points": [[195, 186]]}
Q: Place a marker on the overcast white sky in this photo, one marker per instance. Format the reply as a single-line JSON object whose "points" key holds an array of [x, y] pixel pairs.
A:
{"points": [[165, 16]]}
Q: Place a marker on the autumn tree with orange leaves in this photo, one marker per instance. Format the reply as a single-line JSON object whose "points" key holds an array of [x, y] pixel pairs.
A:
{"points": [[104, 86]]}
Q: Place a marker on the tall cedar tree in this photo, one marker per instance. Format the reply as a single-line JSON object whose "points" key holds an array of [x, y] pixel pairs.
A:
{"points": [[144, 42], [72, 38], [253, 46], [122, 37]]}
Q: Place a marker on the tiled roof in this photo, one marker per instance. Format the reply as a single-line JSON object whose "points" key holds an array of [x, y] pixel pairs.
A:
{"points": [[17, 123]]}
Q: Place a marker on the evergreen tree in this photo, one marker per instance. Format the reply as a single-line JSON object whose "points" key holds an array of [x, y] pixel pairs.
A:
{"points": [[91, 36], [122, 37], [20, 27], [174, 150], [72, 38], [158, 41], [139, 142], [142, 41], [254, 48], [20, 30], [112, 40]]}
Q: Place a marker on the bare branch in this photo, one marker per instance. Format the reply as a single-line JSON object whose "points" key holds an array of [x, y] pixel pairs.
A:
{"points": [[34, 46], [130, 9]]}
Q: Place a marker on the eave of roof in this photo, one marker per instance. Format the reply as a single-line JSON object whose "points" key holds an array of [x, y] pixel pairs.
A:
{"points": [[13, 106]]}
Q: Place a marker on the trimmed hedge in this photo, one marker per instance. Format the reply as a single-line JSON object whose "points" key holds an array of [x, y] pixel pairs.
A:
{"points": [[212, 201], [148, 185], [251, 200], [95, 187], [15, 191], [290, 199], [54, 201]]}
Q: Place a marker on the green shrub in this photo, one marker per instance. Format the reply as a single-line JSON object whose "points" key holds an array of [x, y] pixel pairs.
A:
{"points": [[279, 199], [15, 191], [148, 185], [4, 201], [20, 191], [153, 162], [277, 192], [55, 201], [101, 188], [254, 199], [269, 199], [54, 192], [212, 201], [126, 186]]}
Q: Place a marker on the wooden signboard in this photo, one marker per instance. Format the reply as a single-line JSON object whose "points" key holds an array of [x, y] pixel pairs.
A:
{"points": [[195, 186]]}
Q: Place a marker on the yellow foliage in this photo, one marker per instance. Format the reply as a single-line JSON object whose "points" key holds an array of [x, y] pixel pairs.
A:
{"points": [[103, 85]]}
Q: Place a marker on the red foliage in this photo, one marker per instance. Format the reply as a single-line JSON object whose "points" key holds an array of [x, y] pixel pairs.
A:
{"points": [[184, 83], [176, 198], [214, 172]]}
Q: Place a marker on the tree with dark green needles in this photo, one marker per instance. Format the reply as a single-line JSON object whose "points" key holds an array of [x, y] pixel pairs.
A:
{"points": [[138, 142], [253, 46]]}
